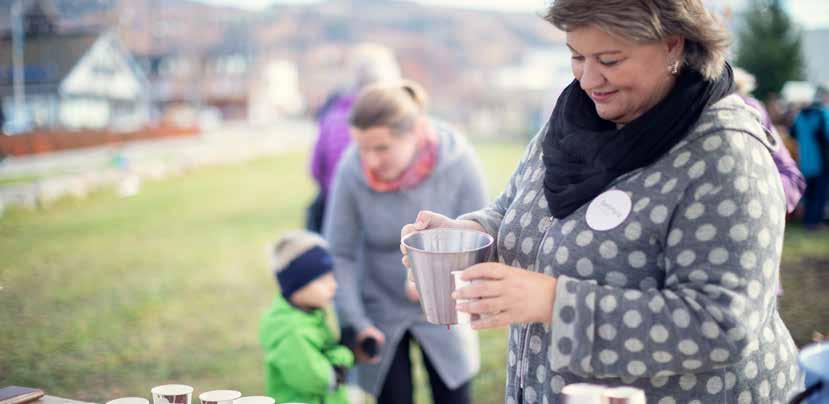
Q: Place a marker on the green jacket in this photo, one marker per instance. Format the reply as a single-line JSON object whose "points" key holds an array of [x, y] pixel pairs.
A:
{"points": [[300, 355]]}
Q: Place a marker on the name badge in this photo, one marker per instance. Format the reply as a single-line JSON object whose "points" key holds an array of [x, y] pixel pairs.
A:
{"points": [[608, 210]]}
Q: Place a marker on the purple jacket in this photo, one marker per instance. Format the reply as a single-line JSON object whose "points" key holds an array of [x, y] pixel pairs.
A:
{"points": [[332, 141], [793, 181]]}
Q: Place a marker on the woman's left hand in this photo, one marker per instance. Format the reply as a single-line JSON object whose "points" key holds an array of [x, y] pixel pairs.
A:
{"points": [[505, 295]]}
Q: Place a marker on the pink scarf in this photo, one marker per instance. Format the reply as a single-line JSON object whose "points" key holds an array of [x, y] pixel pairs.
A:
{"points": [[418, 170]]}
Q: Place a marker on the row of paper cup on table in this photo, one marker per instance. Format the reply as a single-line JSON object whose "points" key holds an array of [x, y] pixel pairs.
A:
{"points": [[183, 394]]}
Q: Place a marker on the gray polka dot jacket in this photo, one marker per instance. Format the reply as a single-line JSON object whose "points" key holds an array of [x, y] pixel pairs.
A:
{"points": [[677, 295]]}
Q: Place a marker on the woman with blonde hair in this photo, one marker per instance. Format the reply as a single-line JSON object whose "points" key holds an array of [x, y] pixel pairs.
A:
{"points": [[401, 161], [638, 241]]}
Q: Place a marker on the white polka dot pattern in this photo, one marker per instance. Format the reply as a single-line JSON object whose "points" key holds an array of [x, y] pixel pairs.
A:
{"points": [[673, 298], [608, 249], [652, 179]]}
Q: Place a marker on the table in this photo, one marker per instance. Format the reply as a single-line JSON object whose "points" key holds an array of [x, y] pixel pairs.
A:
{"points": [[47, 399]]}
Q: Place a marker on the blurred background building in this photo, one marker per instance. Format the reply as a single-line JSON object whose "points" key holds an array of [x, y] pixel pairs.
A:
{"points": [[81, 78], [124, 64]]}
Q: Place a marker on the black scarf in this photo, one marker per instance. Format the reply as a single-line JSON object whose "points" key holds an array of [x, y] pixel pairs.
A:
{"points": [[584, 153]]}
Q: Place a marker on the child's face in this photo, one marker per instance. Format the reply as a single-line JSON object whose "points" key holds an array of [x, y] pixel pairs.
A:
{"points": [[316, 294]]}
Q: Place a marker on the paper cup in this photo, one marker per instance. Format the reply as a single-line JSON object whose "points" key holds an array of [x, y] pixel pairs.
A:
{"points": [[129, 400], [219, 396], [624, 395], [457, 283], [254, 400], [583, 393], [172, 394]]}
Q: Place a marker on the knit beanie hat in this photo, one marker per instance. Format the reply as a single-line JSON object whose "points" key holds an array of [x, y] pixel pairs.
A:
{"points": [[299, 257]]}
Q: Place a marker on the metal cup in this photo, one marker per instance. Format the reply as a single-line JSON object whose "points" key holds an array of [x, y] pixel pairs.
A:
{"points": [[433, 255]]}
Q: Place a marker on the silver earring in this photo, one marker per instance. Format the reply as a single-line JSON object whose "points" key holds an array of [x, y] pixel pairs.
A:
{"points": [[674, 67]]}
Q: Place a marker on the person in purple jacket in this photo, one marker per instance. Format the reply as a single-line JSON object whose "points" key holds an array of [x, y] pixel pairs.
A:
{"points": [[368, 63], [793, 182]]}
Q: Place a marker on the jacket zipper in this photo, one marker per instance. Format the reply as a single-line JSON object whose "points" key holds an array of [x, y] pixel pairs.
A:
{"points": [[522, 345], [523, 356]]}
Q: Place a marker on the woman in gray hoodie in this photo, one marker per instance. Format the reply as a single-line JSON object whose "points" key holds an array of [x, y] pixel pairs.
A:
{"points": [[400, 162], [639, 239]]}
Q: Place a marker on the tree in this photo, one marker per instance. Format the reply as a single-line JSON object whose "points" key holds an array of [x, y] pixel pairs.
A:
{"points": [[769, 47]]}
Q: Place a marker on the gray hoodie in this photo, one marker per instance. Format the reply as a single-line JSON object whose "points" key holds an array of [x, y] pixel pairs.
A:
{"points": [[363, 229], [666, 281]]}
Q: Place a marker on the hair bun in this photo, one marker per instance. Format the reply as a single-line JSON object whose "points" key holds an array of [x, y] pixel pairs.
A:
{"points": [[416, 91]]}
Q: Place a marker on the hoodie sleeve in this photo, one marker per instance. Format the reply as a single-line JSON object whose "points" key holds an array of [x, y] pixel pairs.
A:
{"points": [[306, 369], [318, 157], [490, 217], [790, 176], [343, 232], [339, 355]]}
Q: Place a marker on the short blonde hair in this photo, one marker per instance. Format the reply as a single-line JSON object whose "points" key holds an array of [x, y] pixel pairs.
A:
{"points": [[706, 40], [744, 82], [393, 105]]}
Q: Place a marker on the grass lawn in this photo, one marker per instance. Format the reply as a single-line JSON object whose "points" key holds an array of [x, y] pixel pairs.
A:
{"points": [[107, 297]]}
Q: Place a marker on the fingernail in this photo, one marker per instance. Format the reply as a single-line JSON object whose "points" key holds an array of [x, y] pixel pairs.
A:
{"points": [[454, 295]]}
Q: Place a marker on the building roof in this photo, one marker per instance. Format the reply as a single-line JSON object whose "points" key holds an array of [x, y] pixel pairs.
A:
{"points": [[47, 59]]}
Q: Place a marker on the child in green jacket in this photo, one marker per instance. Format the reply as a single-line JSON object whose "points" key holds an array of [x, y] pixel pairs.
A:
{"points": [[303, 361]]}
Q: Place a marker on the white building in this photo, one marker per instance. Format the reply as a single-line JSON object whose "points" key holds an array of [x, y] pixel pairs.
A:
{"points": [[73, 80], [275, 92]]}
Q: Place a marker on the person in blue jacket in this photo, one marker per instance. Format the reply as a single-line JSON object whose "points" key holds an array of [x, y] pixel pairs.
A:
{"points": [[811, 129]]}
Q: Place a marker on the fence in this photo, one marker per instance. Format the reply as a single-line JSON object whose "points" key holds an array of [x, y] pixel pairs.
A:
{"points": [[45, 141]]}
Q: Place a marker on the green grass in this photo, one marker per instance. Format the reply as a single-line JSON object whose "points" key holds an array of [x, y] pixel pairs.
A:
{"points": [[107, 297], [805, 277], [18, 179]]}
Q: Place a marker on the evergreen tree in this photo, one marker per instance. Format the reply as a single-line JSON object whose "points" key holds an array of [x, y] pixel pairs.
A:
{"points": [[769, 47]]}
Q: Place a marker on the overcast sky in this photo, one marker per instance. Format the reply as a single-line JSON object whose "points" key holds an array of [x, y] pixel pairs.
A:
{"points": [[809, 13]]}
